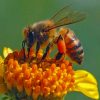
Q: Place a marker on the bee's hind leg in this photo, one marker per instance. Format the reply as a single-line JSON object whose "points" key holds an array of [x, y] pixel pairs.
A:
{"points": [[61, 48], [59, 55]]}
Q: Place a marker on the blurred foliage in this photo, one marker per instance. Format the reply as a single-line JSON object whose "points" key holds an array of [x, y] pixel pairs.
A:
{"points": [[16, 14]]}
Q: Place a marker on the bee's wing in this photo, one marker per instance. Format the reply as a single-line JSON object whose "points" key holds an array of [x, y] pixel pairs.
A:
{"points": [[66, 16]]}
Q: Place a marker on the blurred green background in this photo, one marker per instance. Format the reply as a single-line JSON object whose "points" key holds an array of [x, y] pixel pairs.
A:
{"points": [[16, 14]]}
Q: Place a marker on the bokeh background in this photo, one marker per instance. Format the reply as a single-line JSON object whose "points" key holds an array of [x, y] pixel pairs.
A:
{"points": [[16, 14]]}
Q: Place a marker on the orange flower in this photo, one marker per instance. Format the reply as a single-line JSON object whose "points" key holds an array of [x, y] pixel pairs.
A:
{"points": [[45, 79]]}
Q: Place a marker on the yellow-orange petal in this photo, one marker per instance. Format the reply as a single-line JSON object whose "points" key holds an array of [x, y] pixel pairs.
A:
{"points": [[1, 67], [1, 60], [86, 83], [6, 51]]}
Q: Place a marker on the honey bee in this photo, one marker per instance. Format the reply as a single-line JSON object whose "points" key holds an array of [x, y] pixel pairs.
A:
{"points": [[45, 34]]}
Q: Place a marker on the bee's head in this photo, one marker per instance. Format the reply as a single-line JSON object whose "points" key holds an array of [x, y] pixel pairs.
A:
{"points": [[30, 36]]}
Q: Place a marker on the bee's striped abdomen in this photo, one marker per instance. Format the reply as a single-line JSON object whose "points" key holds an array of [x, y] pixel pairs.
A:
{"points": [[74, 47]]}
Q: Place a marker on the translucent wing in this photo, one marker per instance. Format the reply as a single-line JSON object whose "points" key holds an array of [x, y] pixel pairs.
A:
{"points": [[66, 16]]}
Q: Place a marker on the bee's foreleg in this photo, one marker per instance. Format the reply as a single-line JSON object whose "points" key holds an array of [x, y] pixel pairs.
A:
{"points": [[23, 47], [61, 48], [46, 52], [37, 47]]}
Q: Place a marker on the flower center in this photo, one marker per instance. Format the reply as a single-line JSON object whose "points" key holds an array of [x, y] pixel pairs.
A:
{"points": [[45, 78]]}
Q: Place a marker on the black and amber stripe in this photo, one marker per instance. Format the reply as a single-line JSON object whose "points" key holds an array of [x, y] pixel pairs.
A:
{"points": [[75, 50], [77, 56]]}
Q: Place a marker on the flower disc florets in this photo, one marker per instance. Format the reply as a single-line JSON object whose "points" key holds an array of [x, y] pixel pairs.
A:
{"points": [[38, 78]]}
